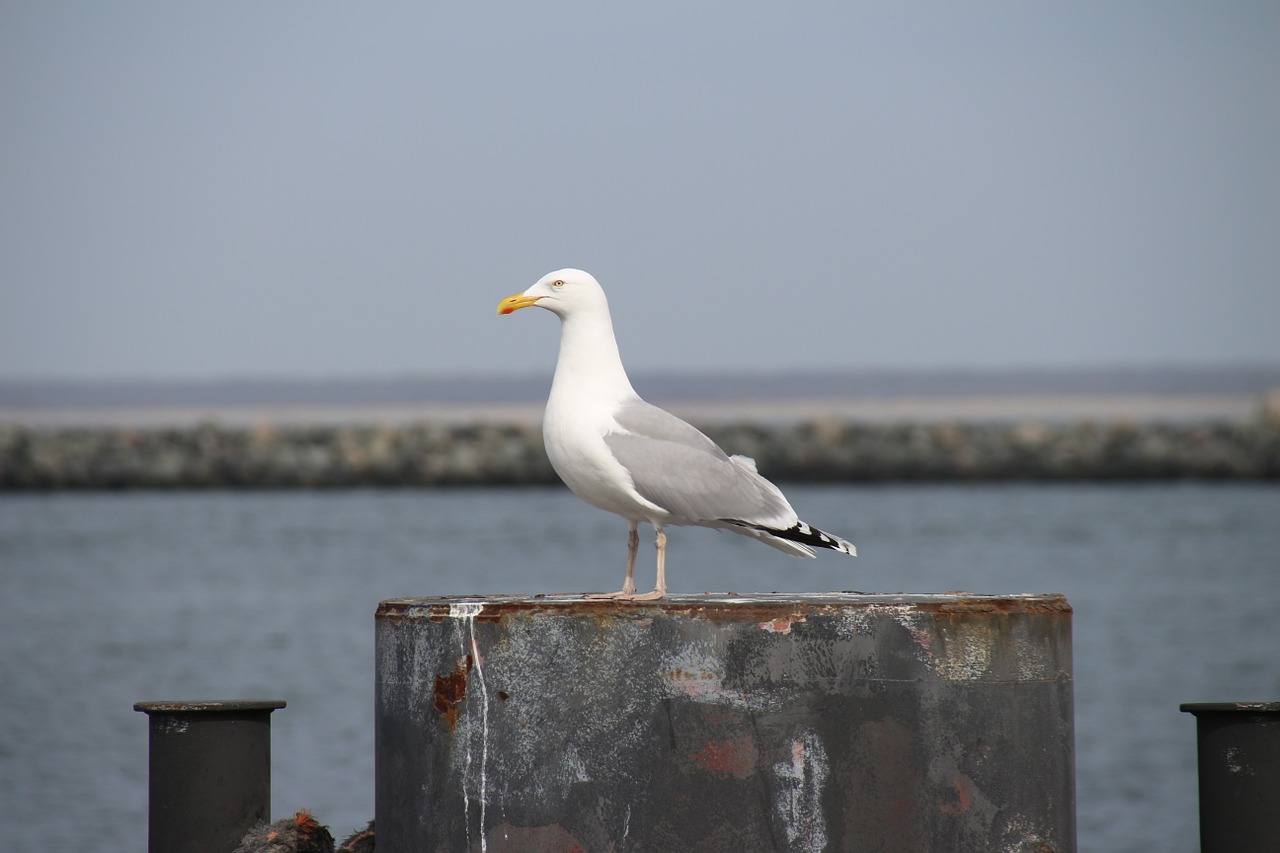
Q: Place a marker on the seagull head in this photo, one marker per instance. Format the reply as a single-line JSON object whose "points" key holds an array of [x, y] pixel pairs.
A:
{"points": [[561, 292]]}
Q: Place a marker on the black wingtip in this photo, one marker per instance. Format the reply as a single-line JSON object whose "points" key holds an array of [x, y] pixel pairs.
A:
{"points": [[803, 533]]}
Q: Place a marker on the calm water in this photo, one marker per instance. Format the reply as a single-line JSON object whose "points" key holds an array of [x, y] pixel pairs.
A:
{"points": [[110, 599]]}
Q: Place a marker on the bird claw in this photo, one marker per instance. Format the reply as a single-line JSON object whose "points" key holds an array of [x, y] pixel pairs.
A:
{"points": [[627, 595], [623, 594]]}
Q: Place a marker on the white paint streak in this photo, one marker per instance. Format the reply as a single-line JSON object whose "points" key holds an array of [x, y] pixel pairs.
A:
{"points": [[537, 658], [465, 609], [466, 612], [484, 735], [798, 802]]}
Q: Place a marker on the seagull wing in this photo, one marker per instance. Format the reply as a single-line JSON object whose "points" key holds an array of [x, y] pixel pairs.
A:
{"points": [[678, 468]]}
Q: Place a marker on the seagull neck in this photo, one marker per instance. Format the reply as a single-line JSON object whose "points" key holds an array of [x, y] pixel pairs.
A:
{"points": [[589, 362]]}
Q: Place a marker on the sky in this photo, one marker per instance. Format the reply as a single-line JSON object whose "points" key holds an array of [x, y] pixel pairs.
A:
{"points": [[320, 189]]}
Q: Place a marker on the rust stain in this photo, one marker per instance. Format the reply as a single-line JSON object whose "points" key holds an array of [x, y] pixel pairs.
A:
{"points": [[781, 625], [451, 689], [1003, 606], [964, 796], [506, 838], [728, 758], [699, 684]]}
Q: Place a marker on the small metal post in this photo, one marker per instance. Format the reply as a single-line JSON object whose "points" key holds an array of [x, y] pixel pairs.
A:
{"points": [[1238, 754], [210, 766]]}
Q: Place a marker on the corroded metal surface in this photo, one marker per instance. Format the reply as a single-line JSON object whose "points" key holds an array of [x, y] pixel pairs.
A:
{"points": [[738, 723]]}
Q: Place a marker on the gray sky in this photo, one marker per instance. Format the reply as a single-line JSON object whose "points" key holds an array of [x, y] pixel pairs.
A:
{"points": [[316, 189]]}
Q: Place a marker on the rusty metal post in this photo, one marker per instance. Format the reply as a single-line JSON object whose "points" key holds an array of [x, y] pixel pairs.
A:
{"points": [[210, 765], [771, 722], [1238, 756]]}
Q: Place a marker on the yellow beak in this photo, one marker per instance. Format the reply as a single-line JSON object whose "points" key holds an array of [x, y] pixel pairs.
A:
{"points": [[515, 303]]}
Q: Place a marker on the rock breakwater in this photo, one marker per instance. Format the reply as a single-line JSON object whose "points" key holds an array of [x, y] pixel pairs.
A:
{"points": [[214, 456]]}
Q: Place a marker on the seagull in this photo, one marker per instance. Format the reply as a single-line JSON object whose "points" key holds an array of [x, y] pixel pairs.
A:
{"points": [[625, 456]]}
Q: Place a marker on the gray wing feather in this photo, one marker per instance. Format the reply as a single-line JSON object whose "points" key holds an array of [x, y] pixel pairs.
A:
{"points": [[678, 468], [647, 420]]}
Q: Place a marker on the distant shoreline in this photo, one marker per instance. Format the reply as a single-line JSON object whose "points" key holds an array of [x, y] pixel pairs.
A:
{"points": [[1007, 408], [420, 454]]}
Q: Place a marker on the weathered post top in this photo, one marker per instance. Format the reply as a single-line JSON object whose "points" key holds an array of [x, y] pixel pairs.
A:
{"points": [[840, 721], [209, 706], [724, 605]]}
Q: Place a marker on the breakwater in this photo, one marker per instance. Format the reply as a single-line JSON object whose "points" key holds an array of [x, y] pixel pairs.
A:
{"points": [[215, 456]]}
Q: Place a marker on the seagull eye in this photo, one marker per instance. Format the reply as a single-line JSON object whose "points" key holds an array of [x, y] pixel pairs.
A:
{"points": [[557, 283]]}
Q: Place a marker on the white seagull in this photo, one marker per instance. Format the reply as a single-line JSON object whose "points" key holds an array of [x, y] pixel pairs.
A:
{"points": [[621, 454]]}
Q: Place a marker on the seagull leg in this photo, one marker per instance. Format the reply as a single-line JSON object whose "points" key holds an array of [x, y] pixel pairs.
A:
{"points": [[629, 585], [660, 587]]}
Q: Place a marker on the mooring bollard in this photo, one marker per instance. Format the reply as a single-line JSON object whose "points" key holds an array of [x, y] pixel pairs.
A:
{"points": [[1238, 757], [210, 765], [768, 722]]}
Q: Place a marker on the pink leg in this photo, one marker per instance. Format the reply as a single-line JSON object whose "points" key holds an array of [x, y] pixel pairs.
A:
{"points": [[629, 585], [660, 587]]}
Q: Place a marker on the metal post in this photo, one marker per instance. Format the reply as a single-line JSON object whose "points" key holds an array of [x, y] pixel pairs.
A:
{"points": [[765, 723], [1238, 755], [210, 765]]}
